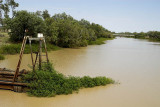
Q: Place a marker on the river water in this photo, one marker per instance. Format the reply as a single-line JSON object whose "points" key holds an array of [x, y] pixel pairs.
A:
{"points": [[134, 63]]}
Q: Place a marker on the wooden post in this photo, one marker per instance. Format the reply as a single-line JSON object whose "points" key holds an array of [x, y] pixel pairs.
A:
{"points": [[40, 53], [35, 61], [31, 54], [46, 50]]}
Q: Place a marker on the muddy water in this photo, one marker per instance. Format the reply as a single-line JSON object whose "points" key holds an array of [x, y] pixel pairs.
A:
{"points": [[134, 63]]}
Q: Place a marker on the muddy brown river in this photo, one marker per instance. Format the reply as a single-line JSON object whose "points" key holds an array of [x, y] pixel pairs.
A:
{"points": [[132, 62]]}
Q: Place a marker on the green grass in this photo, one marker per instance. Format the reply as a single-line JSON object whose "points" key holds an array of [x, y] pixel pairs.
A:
{"points": [[15, 48], [47, 82], [2, 57], [99, 41]]}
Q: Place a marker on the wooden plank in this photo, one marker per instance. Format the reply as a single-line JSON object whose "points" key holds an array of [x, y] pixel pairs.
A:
{"points": [[12, 83], [5, 87], [37, 39], [6, 79], [6, 76], [12, 73], [6, 73]]}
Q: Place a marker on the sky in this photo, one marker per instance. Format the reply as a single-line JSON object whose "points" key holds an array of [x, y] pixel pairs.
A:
{"points": [[114, 15]]}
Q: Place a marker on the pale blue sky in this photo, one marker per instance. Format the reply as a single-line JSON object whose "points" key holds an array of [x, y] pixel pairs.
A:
{"points": [[115, 15]]}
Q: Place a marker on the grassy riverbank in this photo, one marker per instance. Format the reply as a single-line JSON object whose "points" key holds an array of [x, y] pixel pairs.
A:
{"points": [[47, 82], [6, 47], [99, 41], [15, 48]]}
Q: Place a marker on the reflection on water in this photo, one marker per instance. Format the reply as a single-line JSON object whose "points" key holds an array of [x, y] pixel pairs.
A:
{"points": [[132, 62]]}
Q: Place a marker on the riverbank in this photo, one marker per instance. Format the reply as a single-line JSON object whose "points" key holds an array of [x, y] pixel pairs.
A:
{"points": [[7, 47], [99, 41]]}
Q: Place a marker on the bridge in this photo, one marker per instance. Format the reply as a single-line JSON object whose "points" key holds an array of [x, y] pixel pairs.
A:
{"points": [[124, 35]]}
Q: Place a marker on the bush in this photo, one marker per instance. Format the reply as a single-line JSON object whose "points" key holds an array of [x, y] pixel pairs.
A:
{"points": [[47, 82]]}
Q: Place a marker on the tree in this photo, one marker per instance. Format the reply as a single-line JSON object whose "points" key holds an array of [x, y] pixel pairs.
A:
{"points": [[62, 16], [71, 33], [45, 14], [154, 34], [92, 36], [6, 5], [85, 23], [1, 21], [13, 5], [51, 30], [39, 13], [5, 8], [24, 20]]}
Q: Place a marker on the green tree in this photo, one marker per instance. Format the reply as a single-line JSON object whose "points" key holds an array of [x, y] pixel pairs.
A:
{"points": [[92, 36], [100, 31], [5, 8], [45, 14], [1, 14], [51, 30], [63, 16], [13, 5], [24, 20], [85, 23], [154, 34]]}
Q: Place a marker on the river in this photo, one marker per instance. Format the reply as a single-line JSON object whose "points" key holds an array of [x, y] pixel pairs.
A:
{"points": [[134, 63]]}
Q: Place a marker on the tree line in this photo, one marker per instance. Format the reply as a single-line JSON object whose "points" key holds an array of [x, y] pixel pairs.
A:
{"points": [[150, 34], [144, 35], [60, 29]]}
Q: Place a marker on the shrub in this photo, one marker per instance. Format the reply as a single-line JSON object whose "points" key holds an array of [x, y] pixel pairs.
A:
{"points": [[48, 82]]}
